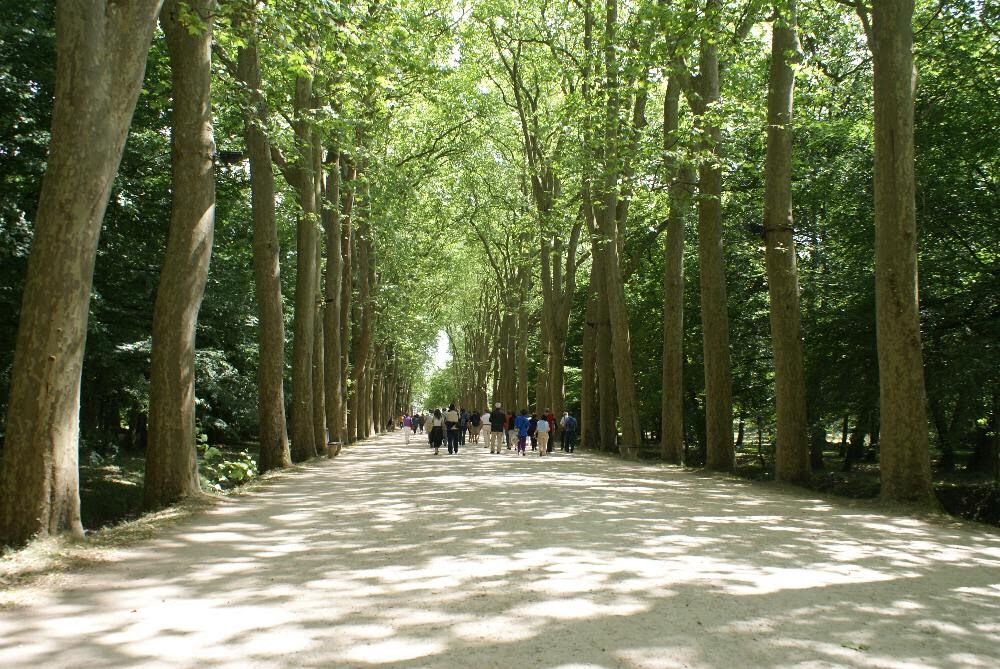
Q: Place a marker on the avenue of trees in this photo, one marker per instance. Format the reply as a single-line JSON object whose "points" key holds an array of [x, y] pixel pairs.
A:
{"points": [[698, 224]]}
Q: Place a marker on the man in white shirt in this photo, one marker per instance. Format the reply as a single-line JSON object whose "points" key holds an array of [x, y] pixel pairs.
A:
{"points": [[485, 431], [542, 434]]}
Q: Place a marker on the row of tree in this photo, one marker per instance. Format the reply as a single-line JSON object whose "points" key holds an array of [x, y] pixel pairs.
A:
{"points": [[525, 177]]}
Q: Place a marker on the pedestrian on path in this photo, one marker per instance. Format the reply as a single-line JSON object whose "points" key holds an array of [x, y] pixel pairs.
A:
{"points": [[475, 426], [521, 424], [512, 432], [532, 423], [568, 425], [542, 434], [407, 428], [463, 425], [436, 432], [497, 431], [547, 414], [451, 423]]}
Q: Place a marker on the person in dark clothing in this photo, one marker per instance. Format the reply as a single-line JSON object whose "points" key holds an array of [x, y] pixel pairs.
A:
{"points": [[532, 426], [451, 424], [463, 425], [436, 431], [569, 427]]}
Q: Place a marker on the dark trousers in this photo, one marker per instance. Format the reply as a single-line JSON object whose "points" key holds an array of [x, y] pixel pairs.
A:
{"points": [[569, 440], [461, 434], [453, 441]]}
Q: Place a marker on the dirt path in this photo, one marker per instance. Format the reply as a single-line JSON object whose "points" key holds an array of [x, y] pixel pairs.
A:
{"points": [[390, 556]]}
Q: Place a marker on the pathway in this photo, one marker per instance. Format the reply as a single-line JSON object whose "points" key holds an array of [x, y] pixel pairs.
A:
{"points": [[390, 556]]}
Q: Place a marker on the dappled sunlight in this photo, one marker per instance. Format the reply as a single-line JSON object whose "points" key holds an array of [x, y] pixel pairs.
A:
{"points": [[390, 556]]}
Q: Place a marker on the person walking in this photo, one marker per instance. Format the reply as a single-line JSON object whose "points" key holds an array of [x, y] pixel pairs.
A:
{"points": [[547, 414], [475, 426], [532, 424], [407, 428], [497, 430], [451, 424], [568, 425], [521, 424], [542, 434], [512, 432], [463, 425], [423, 421], [436, 431], [487, 428]]}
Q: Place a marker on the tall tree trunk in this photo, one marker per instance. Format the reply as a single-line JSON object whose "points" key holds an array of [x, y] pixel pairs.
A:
{"points": [[614, 298], [522, 360], [714, 318], [607, 419], [319, 343], [171, 458], [274, 451], [334, 281], [303, 430], [792, 452], [101, 57], [589, 425], [905, 452], [362, 340], [349, 172], [672, 408]]}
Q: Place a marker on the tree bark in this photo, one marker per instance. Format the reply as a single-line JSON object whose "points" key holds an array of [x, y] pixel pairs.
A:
{"points": [[904, 451], [171, 458], [672, 407], [334, 282], [101, 52], [614, 298], [319, 342], [792, 452], [274, 453], [303, 324], [715, 322], [349, 172], [589, 425]]}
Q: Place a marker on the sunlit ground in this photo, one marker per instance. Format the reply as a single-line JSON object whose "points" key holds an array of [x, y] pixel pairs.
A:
{"points": [[389, 556]]}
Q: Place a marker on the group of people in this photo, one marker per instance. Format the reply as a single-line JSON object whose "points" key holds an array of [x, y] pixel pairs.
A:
{"points": [[498, 429]]}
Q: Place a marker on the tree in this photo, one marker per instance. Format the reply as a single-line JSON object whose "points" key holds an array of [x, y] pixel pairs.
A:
{"points": [[101, 57], [171, 458], [274, 450], [792, 454], [904, 454], [715, 320]]}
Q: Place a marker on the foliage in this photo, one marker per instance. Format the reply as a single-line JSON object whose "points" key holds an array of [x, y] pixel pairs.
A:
{"points": [[223, 469]]}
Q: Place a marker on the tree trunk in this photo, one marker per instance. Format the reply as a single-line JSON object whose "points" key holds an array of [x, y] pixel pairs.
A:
{"points": [[347, 289], [101, 58], [607, 427], [319, 343], [792, 451], [905, 456], [274, 451], [589, 426], [171, 458], [334, 282], [303, 324], [628, 406], [672, 408], [714, 317]]}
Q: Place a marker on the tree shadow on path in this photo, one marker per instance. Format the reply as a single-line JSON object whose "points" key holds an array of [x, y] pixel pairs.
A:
{"points": [[390, 556]]}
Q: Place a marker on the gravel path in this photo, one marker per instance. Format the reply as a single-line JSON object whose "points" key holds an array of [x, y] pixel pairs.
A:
{"points": [[390, 556]]}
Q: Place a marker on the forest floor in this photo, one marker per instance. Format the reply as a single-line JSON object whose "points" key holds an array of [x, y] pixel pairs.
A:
{"points": [[393, 557]]}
